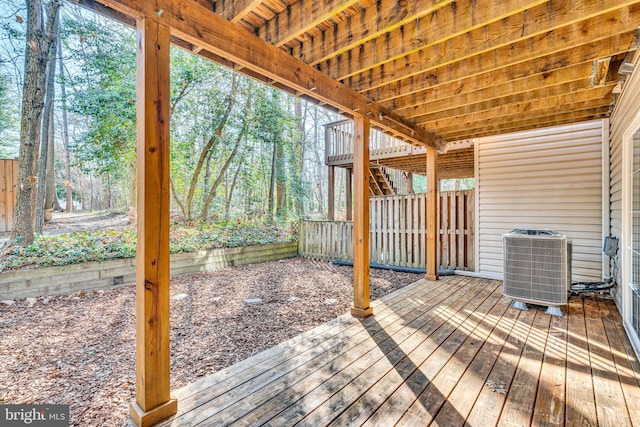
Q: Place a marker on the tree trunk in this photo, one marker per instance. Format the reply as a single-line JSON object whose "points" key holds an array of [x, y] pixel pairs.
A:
{"points": [[281, 180], [214, 188], [65, 133], [37, 47], [227, 203], [208, 146], [272, 182], [51, 200]]}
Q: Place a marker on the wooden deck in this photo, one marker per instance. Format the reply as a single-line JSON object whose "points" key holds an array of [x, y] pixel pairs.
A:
{"points": [[443, 353]]}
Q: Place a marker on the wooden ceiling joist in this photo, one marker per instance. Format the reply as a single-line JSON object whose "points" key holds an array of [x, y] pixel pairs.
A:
{"points": [[474, 89], [301, 17], [531, 123], [495, 72], [583, 98], [495, 54], [386, 16], [201, 27], [479, 21], [565, 93]]}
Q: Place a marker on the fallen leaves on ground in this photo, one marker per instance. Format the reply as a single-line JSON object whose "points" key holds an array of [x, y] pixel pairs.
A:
{"points": [[79, 349]]}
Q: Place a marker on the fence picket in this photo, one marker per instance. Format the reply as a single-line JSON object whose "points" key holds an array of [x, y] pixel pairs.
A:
{"points": [[397, 232]]}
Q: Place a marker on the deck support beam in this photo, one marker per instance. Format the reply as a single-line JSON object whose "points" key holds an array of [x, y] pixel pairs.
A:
{"points": [[361, 296], [153, 402], [348, 195], [432, 215], [331, 193]]}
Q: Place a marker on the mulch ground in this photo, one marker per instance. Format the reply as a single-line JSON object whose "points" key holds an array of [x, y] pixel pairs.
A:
{"points": [[79, 349]]}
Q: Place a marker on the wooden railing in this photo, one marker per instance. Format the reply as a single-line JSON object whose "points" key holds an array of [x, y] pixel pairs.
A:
{"points": [[397, 233], [339, 144]]}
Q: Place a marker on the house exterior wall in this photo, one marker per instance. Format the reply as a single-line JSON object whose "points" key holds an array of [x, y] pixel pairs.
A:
{"points": [[626, 109], [549, 178]]}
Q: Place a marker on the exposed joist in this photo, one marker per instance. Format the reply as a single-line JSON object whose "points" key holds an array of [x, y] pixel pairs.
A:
{"points": [[471, 19], [494, 50], [386, 15], [300, 17], [520, 105], [478, 89], [600, 71], [580, 90], [489, 70], [531, 123], [202, 27], [236, 10]]}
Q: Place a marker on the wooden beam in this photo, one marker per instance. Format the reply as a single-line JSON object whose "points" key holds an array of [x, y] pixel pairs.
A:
{"points": [[383, 16], [600, 71], [495, 46], [465, 19], [300, 17], [431, 213], [348, 194], [361, 296], [202, 27], [476, 89], [331, 193], [496, 111], [484, 67], [515, 125], [153, 401], [521, 102], [236, 10]]}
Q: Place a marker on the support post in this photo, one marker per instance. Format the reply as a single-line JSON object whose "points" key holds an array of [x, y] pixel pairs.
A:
{"points": [[153, 402], [331, 194], [432, 215], [348, 194], [361, 295]]}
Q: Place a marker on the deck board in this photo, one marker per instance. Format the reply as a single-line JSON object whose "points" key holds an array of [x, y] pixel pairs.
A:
{"points": [[446, 353]]}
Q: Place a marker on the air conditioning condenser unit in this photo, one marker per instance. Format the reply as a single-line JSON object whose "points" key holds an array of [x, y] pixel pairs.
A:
{"points": [[537, 268]]}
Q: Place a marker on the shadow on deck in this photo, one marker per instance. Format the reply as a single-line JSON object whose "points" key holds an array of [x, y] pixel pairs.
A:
{"points": [[442, 353]]}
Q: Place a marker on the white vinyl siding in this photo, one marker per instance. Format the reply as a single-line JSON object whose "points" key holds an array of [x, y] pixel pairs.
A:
{"points": [[625, 110], [544, 179]]}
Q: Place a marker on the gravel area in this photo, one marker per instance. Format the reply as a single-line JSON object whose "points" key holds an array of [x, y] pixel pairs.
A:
{"points": [[79, 349]]}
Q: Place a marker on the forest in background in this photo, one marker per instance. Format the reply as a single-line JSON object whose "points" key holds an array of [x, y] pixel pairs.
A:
{"points": [[239, 149]]}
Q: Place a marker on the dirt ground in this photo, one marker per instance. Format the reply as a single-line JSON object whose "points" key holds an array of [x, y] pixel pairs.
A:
{"points": [[63, 222], [79, 349]]}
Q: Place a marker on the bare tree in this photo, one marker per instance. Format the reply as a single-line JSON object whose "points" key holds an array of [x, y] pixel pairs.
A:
{"points": [[45, 161], [37, 48]]}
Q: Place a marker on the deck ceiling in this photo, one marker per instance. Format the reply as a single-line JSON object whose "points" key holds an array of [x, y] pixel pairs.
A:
{"points": [[458, 69]]}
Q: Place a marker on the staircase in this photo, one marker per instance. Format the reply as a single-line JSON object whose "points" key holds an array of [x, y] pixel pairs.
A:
{"points": [[380, 184]]}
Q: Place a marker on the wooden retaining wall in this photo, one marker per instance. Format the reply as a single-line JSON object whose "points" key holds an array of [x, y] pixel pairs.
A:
{"points": [[8, 182], [397, 233], [101, 275]]}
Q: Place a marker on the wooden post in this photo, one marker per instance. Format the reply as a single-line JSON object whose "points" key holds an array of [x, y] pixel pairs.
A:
{"points": [[432, 215], [331, 210], [361, 295], [348, 194], [153, 402]]}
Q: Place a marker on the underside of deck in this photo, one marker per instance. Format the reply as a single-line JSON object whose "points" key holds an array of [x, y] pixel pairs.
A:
{"points": [[438, 353]]}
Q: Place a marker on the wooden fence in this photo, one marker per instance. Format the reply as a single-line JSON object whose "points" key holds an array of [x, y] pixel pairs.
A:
{"points": [[397, 232], [8, 182]]}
